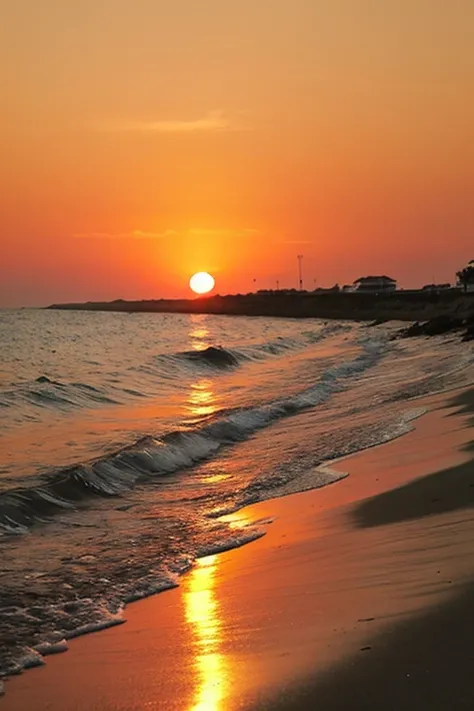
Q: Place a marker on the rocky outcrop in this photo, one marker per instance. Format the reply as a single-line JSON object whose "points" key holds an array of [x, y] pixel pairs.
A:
{"points": [[434, 327], [469, 334], [439, 326]]}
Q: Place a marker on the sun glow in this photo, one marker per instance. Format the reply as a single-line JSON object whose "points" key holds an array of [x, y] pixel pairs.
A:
{"points": [[202, 283]]}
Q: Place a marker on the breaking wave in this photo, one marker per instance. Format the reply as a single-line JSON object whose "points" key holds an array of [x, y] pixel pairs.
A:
{"points": [[48, 393], [216, 357], [219, 357], [152, 457]]}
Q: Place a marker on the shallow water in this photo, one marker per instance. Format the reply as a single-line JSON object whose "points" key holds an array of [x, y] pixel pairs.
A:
{"points": [[124, 437]]}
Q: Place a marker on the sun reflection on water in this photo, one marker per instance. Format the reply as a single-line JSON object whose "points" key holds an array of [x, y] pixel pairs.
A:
{"points": [[202, 400], [203, 616], [199, 332]]}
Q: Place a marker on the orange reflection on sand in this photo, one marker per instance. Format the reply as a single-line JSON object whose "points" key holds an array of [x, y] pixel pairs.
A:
{"points": [[239, 519], [202, 614]]}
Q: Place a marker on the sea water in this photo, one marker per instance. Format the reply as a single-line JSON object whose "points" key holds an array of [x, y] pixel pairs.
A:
{"points": [[125, 437]]}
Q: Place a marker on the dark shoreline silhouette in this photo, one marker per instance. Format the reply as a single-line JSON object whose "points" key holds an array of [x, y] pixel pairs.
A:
{"points": [[400, 305]]}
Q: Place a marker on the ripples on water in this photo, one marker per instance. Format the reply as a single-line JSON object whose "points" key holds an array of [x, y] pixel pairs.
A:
{"points": [[125, 437]]}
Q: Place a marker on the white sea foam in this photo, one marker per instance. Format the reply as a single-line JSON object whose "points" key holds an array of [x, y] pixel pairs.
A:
{"points": [[29, 659], [236, 539], [47, 648], [108, 621], [153, 584]]}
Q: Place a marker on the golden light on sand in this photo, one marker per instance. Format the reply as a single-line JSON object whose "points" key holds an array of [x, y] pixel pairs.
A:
{"points": [[202, 283], [202, 614]]}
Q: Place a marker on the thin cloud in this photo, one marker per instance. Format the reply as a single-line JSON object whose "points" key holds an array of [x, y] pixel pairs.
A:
{"points": [[134, 234], [194, 232], [199, 232], [213, 122]]}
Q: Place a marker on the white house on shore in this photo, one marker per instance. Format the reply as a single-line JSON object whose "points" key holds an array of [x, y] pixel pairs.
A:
{"points": [[375, 285]]}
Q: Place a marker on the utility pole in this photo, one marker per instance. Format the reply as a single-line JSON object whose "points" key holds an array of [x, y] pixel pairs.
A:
{"points": [[278, 285], [300, 270]]}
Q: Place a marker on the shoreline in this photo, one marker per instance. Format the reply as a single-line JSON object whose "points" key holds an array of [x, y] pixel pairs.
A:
{"points": [[396, 306], [293, 528]]}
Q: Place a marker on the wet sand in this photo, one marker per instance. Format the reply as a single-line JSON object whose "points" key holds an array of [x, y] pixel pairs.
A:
{"points": [[360, 596]]}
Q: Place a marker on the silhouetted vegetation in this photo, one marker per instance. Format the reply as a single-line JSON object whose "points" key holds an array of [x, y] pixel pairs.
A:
{"points": [[466, 276]]}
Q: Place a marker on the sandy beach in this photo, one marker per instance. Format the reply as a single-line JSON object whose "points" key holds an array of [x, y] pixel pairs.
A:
{"points": [[360, 596], [237, 356]]}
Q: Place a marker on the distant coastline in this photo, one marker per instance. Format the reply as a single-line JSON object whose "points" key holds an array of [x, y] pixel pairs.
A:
{"points": [[400, 305]]}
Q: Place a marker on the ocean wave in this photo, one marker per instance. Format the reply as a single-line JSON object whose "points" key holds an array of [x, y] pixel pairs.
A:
{"points": [[45, 392], [215, 357], [48, 393], [151, 457], [219, 357]]}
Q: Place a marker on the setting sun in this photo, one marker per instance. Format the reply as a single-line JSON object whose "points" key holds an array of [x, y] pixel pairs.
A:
{"points": [[201, 283]]}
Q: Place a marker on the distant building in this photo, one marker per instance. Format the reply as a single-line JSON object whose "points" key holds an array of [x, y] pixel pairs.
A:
{"points": [[436, 287], [375, 285], [270, 292], [328, 290]]}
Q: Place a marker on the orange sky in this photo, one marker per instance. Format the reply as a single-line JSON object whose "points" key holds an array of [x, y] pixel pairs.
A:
{"points": [[144, 140]]}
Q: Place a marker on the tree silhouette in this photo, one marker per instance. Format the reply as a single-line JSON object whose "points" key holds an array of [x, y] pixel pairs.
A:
{"points": [[466, 276]]}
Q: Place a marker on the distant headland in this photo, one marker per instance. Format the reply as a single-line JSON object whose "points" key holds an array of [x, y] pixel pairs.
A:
{"points": [[328, 304]]}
